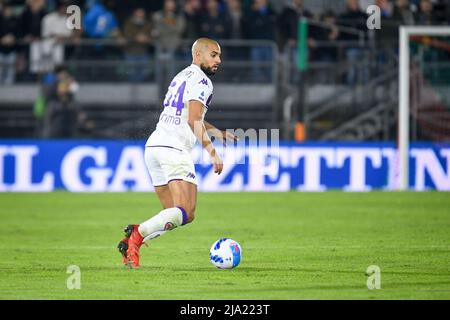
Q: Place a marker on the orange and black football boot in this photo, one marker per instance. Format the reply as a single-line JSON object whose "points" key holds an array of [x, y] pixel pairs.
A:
{"points": [[130, 245]]}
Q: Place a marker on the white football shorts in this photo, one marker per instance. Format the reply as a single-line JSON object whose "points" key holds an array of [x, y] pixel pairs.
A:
{"points": [[165, 163]]}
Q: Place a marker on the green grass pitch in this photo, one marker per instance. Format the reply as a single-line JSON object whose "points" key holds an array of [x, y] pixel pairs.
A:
{"points": [[295, 246]]}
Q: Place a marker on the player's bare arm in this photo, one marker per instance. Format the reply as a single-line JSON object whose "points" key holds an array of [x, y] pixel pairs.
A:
{"points": [[222, 135], [198, 128]]}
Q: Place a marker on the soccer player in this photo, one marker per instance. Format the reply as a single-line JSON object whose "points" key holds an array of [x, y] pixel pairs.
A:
{"points": [[167, 150]]}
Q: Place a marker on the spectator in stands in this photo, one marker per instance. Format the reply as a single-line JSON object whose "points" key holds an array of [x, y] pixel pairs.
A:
{"points": [[123, 9], [441, 11], [30, 31], [385, 8], [234, 11], [100, 23], [49, 52], [288, 23], [31, 19], [54, 24], [394, 14], [9, 34], [403, 13], [215, 24], [426, 15], [259, 21], [192, 16], [137, 32], [168, 26], [387, 36], [61, 111], [355, 20], [192, 13], [259, 24], [328, 32]]}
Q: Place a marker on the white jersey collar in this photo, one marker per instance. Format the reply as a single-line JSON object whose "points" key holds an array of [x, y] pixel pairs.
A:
{"points": [[199, 69]]}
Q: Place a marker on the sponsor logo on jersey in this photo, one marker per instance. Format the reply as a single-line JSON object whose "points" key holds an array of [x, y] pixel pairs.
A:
{"points": [[204, 81], [169, 119]]}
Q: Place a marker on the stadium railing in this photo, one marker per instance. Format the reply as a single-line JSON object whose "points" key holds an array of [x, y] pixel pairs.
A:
{"points": [[265, 92], [342, 87], [132, 90]]}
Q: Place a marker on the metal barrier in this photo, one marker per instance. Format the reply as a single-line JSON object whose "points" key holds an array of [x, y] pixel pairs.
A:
{"points": [[132, 90], [253, 76], [107, 60]]}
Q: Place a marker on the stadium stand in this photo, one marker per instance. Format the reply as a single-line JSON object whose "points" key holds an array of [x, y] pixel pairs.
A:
{"points": [[125, 54]]}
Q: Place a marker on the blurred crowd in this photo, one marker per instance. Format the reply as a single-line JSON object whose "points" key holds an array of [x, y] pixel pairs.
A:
{"points": [[138, 23], [35, 39]]}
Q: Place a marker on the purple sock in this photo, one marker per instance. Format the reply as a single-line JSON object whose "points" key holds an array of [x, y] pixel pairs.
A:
{"points": [[185, 217]]}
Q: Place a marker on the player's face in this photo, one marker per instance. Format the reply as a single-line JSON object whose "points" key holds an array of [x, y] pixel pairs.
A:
{"points": [[211, 59]]}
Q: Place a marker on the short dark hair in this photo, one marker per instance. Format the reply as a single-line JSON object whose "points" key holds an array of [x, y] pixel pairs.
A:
{"points": [[62, 3], [328, 14], [60, 68]]}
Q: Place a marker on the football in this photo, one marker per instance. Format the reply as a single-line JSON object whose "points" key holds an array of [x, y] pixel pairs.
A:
{"points": [[225, 253]]}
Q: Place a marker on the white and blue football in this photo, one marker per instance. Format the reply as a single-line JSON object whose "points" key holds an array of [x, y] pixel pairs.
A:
{"points": [[225, 253]]}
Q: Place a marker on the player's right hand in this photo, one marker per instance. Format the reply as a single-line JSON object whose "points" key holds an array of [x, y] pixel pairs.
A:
{"points": [[217, 162]]}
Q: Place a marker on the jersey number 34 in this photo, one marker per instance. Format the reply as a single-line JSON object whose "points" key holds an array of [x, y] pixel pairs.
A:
{"points": [[174, 97]]}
